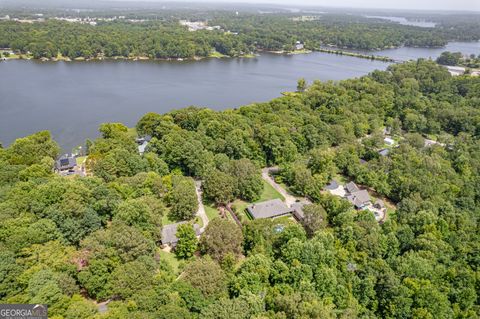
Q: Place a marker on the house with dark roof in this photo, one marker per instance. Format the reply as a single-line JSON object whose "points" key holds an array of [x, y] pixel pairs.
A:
{"points": [[351, 187], [298, 210], [169, 233], [65, 163], [269, 209]]}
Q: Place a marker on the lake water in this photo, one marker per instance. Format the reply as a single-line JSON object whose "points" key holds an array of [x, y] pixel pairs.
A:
{"points": [[72, 99], [404, 21]]}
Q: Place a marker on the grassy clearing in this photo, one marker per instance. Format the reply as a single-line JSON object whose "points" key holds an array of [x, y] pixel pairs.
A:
{"points": [[132, 131], [285, 220], [269, 193], [211, 211], [166, 218], [80, 160], [216, 54], [171, 259]]}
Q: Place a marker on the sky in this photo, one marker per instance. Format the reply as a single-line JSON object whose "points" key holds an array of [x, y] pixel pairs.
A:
{"points": [[460, 5]]}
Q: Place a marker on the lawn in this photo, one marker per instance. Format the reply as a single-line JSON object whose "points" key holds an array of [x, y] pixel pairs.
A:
{"points": [[268, 193], [171, 259], [80, 160], [165, 219], [211, 211], [216, 54]]}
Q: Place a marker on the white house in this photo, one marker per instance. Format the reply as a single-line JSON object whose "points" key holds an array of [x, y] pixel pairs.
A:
{"points": [[389, 141]]}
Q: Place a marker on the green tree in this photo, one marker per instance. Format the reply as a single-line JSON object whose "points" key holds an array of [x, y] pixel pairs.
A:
{"points": [[219, 187], [183, 198], [315, 218], [301, 85], [187, 241], [207, 276], [221, 237]]}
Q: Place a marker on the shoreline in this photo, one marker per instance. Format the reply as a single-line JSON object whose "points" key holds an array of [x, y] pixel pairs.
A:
{"points": [[217, 55], [196, 58]]}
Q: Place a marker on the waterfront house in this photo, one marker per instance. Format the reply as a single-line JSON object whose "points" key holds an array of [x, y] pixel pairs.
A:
{"points": [[299, 45], [65, 163]]}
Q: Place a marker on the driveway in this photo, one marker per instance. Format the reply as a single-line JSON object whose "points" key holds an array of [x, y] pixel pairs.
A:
{"points": [[201, 209], [289, 199]]}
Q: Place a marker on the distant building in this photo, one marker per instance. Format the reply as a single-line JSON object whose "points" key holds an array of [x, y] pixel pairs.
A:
{"points": [[65, 163], [384, 152], [299, 45], [269, 209], [142, 144], [389, 141], [456, 70], [169, 233]]}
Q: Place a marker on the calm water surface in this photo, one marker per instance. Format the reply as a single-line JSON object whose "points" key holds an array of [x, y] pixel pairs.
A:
{"points": [[72, 99]]}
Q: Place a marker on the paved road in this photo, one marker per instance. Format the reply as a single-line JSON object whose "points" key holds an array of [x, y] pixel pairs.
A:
{"points": [[201, 209], [289, 199]]}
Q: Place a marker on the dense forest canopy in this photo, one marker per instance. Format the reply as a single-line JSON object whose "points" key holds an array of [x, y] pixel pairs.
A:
{"points": [[161, 36], [71, 242]]}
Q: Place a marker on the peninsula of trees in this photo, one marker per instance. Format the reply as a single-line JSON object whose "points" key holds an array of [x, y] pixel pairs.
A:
{"points": [[74, 242]]}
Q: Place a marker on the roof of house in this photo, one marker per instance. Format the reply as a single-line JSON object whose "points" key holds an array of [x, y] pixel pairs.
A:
{"points": [[352, 187], [384, 152], [142, 147], [269, 209], [169, 232], [65, 162], [298, 210], [359, 198], [332, 185], [388, 140]]}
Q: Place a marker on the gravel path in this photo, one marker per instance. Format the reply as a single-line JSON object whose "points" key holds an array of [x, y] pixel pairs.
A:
{"points": [[201, 209]]}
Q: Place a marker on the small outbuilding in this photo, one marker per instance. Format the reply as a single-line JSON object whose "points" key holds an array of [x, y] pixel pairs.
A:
{"points": [[269, 209]]}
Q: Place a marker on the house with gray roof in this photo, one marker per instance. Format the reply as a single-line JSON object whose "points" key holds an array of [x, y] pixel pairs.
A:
{"points": [[298, 210], [65, 163], [384, 152], [359, 199], [351, 187], [269, 209], [169, 233]]}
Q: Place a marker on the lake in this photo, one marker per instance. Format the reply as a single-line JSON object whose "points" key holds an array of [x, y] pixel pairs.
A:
{"points": [[405, 21], [72, 99]]}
